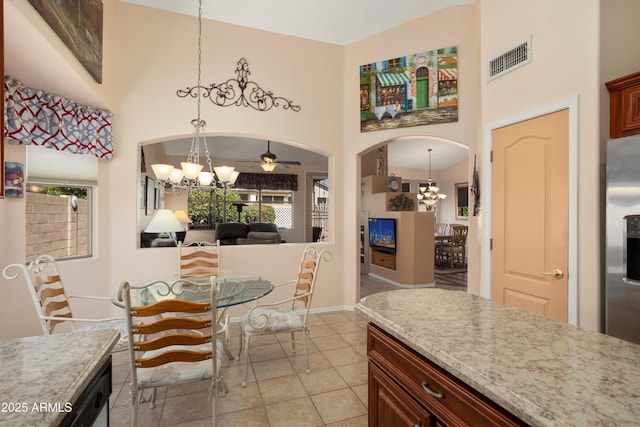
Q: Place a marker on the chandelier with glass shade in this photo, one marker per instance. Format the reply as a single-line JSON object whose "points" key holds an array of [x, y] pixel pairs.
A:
{"points": [[191, 174], [428, 195]]}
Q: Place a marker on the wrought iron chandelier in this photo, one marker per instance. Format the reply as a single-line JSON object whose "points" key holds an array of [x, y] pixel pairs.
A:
{"points": [[175, 180], [428, 195]]}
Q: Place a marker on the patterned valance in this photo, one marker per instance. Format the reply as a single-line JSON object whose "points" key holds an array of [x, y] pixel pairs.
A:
{"points": [[268, 181], [33, 116]]}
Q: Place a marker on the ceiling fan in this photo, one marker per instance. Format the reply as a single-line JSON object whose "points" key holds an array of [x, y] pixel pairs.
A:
{"points": [[268, 161]]}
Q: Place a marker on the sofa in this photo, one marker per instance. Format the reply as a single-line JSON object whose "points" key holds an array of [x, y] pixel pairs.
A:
{"points": [[239, 233]]}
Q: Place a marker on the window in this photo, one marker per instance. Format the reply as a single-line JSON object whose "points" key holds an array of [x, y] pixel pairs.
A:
{"points": [[58, 220], [59, 205], [394, 63], [208, 207]]}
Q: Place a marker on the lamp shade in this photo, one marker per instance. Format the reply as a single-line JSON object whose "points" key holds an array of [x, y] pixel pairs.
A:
{"points": [[182, 217], [224, 173], [191, 170], [162, 171], [176, 176], [268, 166], [205, 178], [164, 221]]}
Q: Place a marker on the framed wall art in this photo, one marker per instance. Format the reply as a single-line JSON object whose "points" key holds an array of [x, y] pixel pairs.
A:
{"points": [[413, 90], [150, 195], [78, 23], [462, 200], [13, 179]]}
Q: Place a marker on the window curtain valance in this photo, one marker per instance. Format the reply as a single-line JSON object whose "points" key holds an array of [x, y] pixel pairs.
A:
{"points": [[268, 181], [33, 116]]}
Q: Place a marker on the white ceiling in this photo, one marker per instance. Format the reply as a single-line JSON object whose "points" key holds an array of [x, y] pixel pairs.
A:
{"points": [[332, 21]]}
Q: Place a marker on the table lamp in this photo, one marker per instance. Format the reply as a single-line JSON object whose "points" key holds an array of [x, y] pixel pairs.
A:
{"points": [[185, 221], [164, 222]]}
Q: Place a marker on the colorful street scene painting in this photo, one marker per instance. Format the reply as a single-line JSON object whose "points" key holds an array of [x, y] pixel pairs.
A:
{"points": [[413, 90], [13, 179]]}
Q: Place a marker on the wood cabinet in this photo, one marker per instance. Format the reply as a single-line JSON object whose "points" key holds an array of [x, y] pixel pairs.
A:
{"points": [[624, 106], [383, 259], [407, 389]]}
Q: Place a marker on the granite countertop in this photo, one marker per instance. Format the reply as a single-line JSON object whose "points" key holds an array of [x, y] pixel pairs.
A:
{"points": [[43, 375], [548, 373]]}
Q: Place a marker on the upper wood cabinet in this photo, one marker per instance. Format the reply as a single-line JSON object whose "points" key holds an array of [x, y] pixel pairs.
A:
{"points": [[624, 106]]}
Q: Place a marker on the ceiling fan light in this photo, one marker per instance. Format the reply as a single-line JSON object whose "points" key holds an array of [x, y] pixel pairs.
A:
{"points": [[191, 170], [162, 171], [205, 178], [176, 176], [268, 166]]}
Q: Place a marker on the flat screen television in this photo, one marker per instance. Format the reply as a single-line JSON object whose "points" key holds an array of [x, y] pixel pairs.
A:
{"points": [[382, 234]]}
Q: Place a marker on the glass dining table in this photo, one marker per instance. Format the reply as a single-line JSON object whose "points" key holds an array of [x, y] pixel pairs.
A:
{"points": [[230, 290]]}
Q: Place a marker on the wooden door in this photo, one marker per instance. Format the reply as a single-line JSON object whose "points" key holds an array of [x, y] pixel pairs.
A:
{"points": [[530, 221]]}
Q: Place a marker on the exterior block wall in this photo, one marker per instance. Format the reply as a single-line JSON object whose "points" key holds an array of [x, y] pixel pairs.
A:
{"points": [[54, 228]]}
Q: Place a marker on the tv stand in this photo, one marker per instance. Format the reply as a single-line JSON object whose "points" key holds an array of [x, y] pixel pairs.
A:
{"points": [[383, 258]]}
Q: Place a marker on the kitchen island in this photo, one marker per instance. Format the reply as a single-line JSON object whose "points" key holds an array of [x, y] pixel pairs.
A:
{"points": [[45, 379], [529, 369]]}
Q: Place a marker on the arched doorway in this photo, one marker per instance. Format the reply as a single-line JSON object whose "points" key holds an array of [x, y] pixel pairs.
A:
{"points": [[406, 160]]}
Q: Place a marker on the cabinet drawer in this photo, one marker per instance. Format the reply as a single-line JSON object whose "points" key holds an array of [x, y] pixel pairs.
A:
{"points": [[450, 400], [383, 260]]}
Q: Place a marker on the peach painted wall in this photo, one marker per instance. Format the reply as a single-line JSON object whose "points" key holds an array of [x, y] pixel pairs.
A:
{"points": [[158, 58], [456, 26], [565, 63]]}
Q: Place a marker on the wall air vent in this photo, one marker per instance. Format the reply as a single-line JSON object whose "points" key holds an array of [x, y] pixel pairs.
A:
{"points": [[510, 60]]}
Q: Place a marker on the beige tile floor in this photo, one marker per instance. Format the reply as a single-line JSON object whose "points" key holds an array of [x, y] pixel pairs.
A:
{"points": [[279, 392]]}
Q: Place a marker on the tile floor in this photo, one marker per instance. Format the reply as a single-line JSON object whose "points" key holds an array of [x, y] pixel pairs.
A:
{"points": [[279, 392]]}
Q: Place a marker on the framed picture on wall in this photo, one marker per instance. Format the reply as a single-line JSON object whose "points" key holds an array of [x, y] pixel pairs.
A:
{"points": [[150, 195], [2, 115], [462, 200]]}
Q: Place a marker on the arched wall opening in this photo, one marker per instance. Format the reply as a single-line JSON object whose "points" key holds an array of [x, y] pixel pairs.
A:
{"points": [[298, 210], [406, 159]]}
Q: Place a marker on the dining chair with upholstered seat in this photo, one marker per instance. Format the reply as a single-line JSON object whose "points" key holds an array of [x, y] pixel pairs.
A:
{"points": [[53, 305], [454, 250], [281, 317], [171, 341]]}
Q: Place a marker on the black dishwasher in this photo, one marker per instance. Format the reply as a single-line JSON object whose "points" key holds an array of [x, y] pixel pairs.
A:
{"points": [[92, 407]]}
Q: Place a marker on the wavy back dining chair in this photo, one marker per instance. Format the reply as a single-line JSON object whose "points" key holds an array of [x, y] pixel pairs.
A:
{"points": [[455, 250], [199, 259], [171, 339], [281, 317], [52, 303], [203, 259]]}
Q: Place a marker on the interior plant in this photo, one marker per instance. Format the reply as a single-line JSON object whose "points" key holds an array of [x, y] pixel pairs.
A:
{"points": [[401, 202]]}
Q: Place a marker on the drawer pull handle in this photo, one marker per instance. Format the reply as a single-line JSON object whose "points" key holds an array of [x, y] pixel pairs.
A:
{"points": [[426, 388]]}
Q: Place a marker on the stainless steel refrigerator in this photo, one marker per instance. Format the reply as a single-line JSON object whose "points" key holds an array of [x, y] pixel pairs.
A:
{"points": [[622, 287]]}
